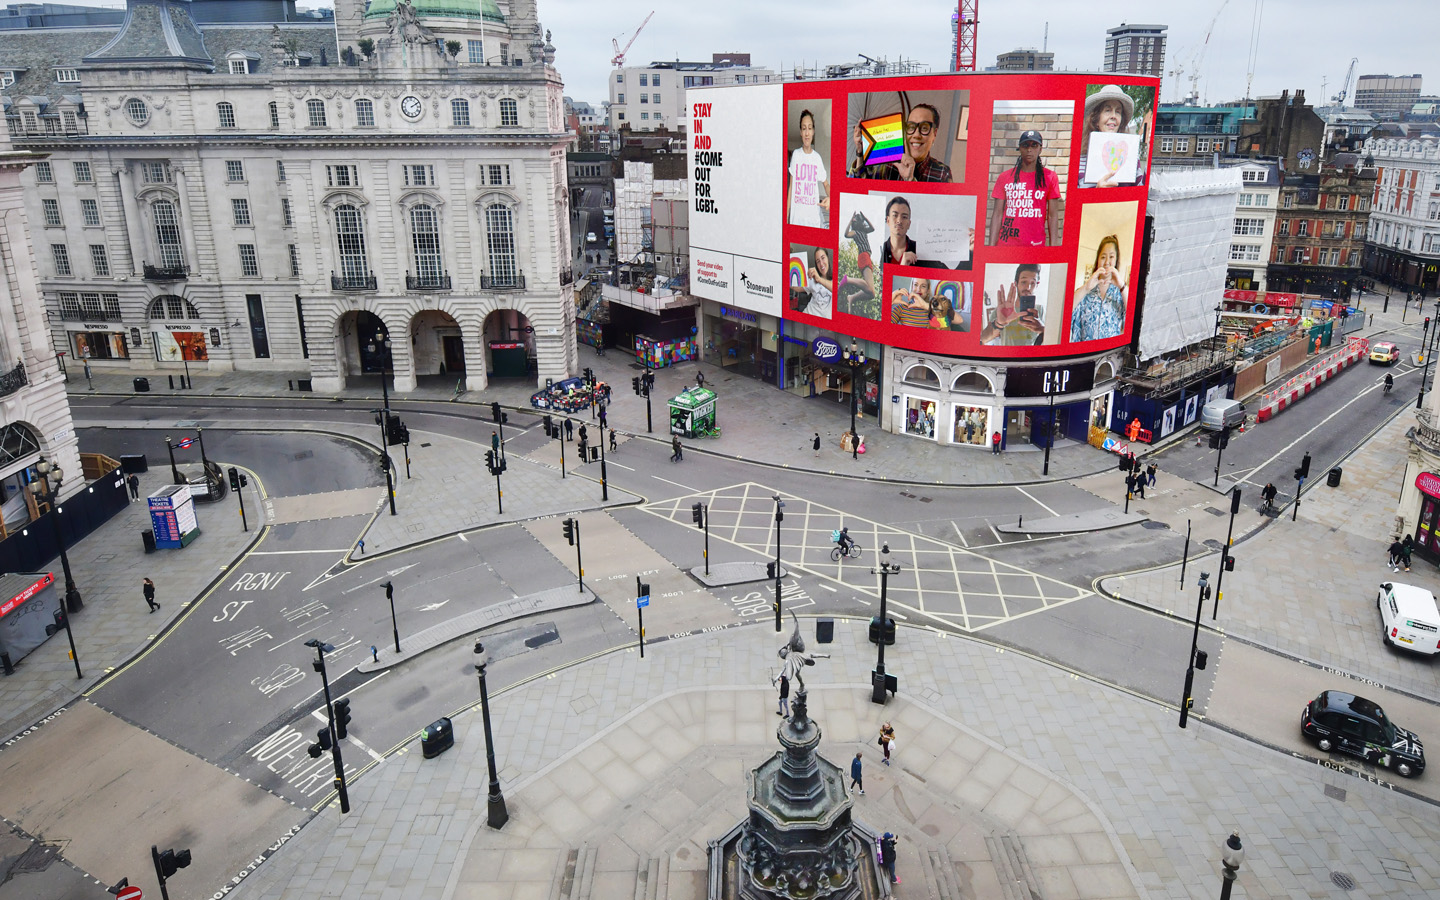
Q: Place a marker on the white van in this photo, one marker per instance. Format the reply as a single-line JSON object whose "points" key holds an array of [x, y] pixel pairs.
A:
{"points": [[1410, 617], [1217, 415]]}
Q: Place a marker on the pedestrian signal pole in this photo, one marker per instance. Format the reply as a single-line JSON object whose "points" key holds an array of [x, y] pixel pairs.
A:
{"points": [[642, 600], [700, 515], [571, 529]]}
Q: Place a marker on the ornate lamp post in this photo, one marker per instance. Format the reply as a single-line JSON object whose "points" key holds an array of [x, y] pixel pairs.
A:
{"points": [[47, 488], [854, 357], [497, 814], [1231, 856]]}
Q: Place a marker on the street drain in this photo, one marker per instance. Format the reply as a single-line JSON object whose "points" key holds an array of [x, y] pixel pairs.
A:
{"points": [[36, 858], [1153, 525], [1342, 881], [1214, 512], [541, 640]]}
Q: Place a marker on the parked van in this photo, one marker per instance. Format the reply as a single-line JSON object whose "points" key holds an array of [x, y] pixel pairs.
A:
{"points": [[1217, 415], [1410, 618]]}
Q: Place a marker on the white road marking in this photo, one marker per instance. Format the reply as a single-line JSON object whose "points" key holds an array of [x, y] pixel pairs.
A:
{"points": [[1037, 502], [342, 551], [683, 487], [960, 534], [618, 466], [1317, 426], [830, 589]]}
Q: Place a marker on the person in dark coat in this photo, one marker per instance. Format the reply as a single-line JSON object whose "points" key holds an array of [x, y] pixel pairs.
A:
{"points": [[1406, 548], [134, 482], [887, 855], [816, 443], [856, 781], [678, 452], [1150, 474], [569, 429], [149, 590], [784, 684]]}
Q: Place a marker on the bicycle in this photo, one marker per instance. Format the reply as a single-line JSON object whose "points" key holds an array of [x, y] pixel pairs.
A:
{"points": [[854, 552]]}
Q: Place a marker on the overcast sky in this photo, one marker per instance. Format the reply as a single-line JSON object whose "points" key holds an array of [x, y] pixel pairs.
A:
{"points": [[1301, 43]]}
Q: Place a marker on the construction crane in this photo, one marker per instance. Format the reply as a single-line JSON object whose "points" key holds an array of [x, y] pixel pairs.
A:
{"points": [[1345, 88], [619, 58], [967, 31], [1197, 58]]}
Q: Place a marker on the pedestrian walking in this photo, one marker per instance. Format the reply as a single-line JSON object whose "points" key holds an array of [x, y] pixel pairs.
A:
{"points": [[360, 545], [699, 378], [584, 435], [134, 482], [1406, 548], [816, 443], [1139, 482], [784, 684], [887, 740], [148, 589], [569, 429], [1396, 548], [995, 443], [1150, 474], [495, 442], [612, 440], [603, 421], [887, 855], [1130, 483], [855, 442], [856, 781], [678, 452]]}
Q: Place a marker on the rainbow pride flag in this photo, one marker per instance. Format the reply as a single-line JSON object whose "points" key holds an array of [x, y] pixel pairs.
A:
{"points": [[887, 139]]}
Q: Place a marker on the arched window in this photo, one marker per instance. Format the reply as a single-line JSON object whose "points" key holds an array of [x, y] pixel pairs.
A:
{"points": [[167, 234], [316, 110], [509, 112], [425, 238], [226, 113], [500, 243], [136, 111], [350, 236], [922, 375], [364, 113], [274, 116], [973, 382], [172, 307], [1104, 372]]}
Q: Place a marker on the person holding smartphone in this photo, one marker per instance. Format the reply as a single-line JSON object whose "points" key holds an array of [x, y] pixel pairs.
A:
{"points": [[1015, 320]]}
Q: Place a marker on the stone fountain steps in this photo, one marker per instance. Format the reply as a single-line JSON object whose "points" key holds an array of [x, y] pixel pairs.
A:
{"points": [[1012, 868], [940, 873], [578, 876]]}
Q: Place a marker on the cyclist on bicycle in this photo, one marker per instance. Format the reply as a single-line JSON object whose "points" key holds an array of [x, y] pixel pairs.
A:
{"points": [[1389, 382], [845, 541]]}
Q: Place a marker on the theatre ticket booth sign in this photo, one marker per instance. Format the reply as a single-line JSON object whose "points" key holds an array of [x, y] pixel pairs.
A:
{"points": [[1427, 530]]}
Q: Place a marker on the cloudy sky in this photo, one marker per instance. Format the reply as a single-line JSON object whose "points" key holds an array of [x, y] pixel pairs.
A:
{"points": [[1300, 43]]}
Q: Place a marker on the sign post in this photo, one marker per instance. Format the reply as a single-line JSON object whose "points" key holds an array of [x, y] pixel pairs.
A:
{"points": [[642, 600]]}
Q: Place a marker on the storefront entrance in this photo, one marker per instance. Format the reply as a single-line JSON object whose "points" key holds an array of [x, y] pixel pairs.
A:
{"points": [[1427, 529]]}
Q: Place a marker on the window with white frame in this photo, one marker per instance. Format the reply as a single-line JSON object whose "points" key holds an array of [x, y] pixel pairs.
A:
{"points": [[1202, 145], [249, 262], [100, 260], [172, 307], [644, 80], [460, 113], [279, 170], [497, 175], [1262, 199], [286, 217], [619, 78], [619, 98], [1167, 145], [1302, 228], [500, 243], [1251, 175], [45, 174], [90, 212], [1434, 213], [67, 76], [240, 210], [1287, 201], [226, 113], [316, 111], [475, 51], [342, 176], [167, 234], [350, 238], [234, 170], [364, 113], [1245, 200], [654, 98], [51, 209], [239, 67], [509, 112], [61, 253], [1297, 254], [504, 54], [136, 111], [1182, 145], [83, 175], [644, 98], [1244, 252], [425, 240], [1249, 226], [7, 78], [419, 175], [156, 172], [645, 115], [1342, 202], [294, 261], [274, 116], [1282, 228]]}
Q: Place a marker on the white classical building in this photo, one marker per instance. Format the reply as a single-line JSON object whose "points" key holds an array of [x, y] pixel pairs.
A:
{"points": [[652, 98], [1403, 240], [301, 195]]}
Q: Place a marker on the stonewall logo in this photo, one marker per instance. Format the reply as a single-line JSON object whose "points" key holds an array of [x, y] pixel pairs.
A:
{"points": [[767, 290]]}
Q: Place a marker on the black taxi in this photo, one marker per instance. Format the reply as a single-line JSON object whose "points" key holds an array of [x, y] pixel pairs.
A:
{"points": [[1354, 725]]}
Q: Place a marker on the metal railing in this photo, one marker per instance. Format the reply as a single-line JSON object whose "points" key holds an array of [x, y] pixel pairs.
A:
{"points": [[427, 282], [1425, 433], [514, 282], [165, 273], [567, 276], [13, 380], [353, 282]]}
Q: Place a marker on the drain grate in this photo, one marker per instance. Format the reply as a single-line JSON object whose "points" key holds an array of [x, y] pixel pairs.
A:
{"points": [[1214, 512], [1342, 881], [37, 857], [1335, 793], [1153, 525]]}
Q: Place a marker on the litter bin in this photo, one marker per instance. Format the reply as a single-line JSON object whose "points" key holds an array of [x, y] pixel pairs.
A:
{"points": [[1333, 479], [148, 537], [142, 385], [824, 631], [437, 737], [875, 630], [134, 463]]}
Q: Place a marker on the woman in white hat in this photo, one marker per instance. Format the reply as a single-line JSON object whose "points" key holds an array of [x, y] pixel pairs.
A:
{"points": [[1107, 110]]}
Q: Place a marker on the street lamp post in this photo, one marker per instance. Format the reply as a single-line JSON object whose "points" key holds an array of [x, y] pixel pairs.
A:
{"points": [[394, 622], [1231, 856], [779, 517], [1050, 439], [1197, 656], [878, 678], [854, 357], [47, 488], [1425, 350], [1227, 562], [497, 814], [382, 417]]}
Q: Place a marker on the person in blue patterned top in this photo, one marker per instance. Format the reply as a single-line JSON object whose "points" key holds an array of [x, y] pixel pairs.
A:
{"points": [[1100, 302]]}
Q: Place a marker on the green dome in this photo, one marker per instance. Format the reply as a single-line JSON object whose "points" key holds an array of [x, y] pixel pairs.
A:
{"points": [[449, 9]]}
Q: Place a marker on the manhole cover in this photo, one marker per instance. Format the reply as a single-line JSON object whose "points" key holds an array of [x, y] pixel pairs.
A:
{"points": [[303, 454], [541, 640], [1334, 793], [1342, 881], [1214, 544], [1153, 525], [1214, 512], [926, 500], [37, 858]]}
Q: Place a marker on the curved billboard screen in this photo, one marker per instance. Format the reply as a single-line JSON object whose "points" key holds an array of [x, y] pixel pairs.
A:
{"points": [[991, 215]]}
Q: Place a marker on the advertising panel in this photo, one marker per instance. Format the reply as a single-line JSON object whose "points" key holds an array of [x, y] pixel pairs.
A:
{"points": [[1014, 235]]}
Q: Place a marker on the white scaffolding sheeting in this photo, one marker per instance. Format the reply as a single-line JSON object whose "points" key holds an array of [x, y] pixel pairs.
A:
{"points": [[1194, 213], [634, 195]]}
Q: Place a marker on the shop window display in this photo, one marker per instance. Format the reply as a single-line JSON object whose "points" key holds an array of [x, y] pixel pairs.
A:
{"points": [[972, 426], [920, 417]]}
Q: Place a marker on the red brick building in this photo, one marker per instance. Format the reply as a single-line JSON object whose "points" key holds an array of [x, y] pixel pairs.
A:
{"points": [[1319, 241]]}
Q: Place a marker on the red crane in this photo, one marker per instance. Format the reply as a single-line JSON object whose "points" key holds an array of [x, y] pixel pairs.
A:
{"points": [[619, 59], [967, 28]]}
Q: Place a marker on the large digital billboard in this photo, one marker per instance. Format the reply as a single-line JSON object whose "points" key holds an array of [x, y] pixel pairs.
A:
{"points": [[991, 215]]}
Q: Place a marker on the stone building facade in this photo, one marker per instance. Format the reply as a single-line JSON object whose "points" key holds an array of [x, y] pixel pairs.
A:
{"points": [[269, 195], [1319, 240], [1403, 244]]}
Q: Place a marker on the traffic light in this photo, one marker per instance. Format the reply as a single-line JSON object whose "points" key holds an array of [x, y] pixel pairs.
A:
{"points": [[321, 745], [594, 454], [59, 625], [234, 479], [548, 424], [569, 529], [378, 417], [1214, 440], [1229, 563], [397, 432], [495, 411], [341, 709], [589, 375], [770, 570], [635, 383], [697, 514], [1201, 657], [389, 590], [1304, 470], [171, 862]]}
